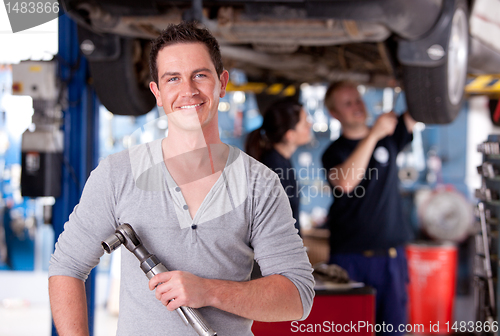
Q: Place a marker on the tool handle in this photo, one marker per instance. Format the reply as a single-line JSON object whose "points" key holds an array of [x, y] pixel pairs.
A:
{"points": [[197, 321], [188, 315]]}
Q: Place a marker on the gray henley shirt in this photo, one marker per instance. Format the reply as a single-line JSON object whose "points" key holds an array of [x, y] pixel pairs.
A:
{"points": [[245, 216]]}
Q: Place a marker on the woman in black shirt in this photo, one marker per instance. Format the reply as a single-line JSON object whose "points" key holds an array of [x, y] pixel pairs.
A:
{"points": [[285, 127]]}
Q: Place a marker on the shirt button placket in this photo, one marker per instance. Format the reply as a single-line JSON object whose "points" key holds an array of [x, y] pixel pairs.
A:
{"points": [[193, 227], [194, 234]]}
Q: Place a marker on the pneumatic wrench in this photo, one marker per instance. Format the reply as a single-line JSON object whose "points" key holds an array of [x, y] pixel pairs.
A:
{"points": [[151, 266]]}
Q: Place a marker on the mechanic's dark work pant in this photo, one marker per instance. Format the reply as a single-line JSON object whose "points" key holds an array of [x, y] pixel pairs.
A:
{"points": [[389, 276]]}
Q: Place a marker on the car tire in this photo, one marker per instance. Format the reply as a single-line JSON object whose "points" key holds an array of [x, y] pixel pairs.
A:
{"points": [[434, 95], [122, 84]]}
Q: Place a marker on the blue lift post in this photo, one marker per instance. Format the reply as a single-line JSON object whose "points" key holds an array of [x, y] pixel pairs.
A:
{"points": [[81, 130]]}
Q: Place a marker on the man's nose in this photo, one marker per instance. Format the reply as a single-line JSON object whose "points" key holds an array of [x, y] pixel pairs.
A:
{"points": [[189, 89]]}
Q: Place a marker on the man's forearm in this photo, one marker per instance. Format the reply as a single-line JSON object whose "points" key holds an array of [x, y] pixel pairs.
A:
{"points": [[68, 305], [351, 172], [268, 299]]}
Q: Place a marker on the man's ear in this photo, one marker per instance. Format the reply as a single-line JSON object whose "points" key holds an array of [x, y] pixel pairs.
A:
{"points": [[154, 88], [224, 79]]}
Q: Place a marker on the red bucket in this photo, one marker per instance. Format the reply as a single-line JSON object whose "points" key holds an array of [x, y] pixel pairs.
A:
{"points": [[432, 270]]}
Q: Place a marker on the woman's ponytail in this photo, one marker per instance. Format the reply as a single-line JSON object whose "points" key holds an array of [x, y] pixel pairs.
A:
{"points": [[257, 143]]}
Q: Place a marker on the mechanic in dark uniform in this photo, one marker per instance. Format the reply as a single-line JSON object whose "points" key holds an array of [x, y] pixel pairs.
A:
{"points": [[365, 220], [284, 128]]}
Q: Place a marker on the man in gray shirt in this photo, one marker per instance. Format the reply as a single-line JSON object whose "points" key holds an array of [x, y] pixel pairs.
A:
{"points": [[206, 209]]}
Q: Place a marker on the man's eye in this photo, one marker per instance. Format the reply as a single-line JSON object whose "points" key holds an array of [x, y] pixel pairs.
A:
{"points": [[200, 75], [173, 79]]}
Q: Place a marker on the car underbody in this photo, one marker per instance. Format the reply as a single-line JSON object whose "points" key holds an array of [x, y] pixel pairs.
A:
{"points": [[371, 42]]}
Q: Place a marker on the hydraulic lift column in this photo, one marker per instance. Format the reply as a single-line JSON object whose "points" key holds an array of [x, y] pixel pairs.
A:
{"points": [[81, 129]]}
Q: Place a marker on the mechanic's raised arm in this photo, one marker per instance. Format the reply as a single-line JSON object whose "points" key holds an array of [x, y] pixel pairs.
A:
{"points": [[342, 175]]}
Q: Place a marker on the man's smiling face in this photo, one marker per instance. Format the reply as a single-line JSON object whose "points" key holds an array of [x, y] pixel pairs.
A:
{"points": [[188, 85]]}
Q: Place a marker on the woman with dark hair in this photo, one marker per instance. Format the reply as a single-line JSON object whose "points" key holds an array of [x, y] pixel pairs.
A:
{"points": [[285, 127]]}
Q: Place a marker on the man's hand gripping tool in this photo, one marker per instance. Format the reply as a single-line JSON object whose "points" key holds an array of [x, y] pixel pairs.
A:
{"points": [[151, 266]]}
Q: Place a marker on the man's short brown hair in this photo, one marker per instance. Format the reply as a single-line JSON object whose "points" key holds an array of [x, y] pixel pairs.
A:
{"points": [[184, 32], [332, 88]]}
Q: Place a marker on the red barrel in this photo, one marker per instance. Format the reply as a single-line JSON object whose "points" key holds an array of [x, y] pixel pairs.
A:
{"points": [[432, 270]]}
